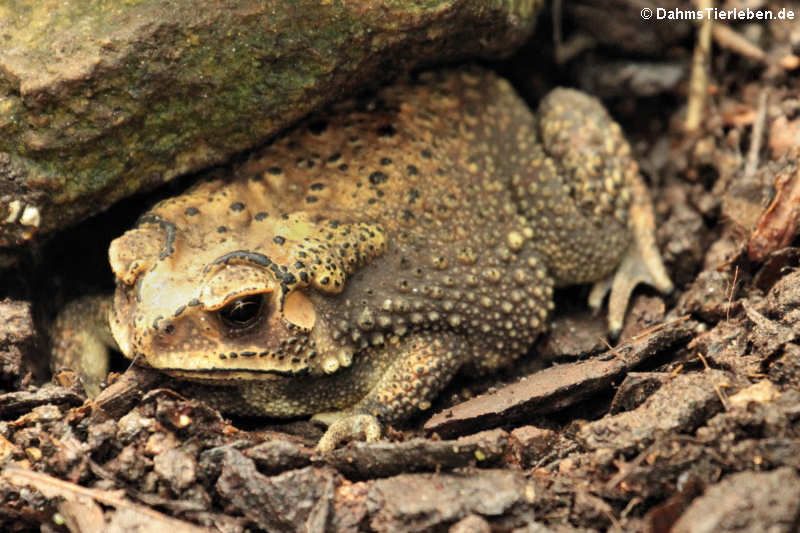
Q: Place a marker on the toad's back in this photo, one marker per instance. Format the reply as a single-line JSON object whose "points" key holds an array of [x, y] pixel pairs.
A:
{"points": [[476, 216]]}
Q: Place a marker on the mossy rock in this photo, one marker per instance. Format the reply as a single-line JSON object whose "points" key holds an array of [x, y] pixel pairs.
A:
{"points": [[101, 99]]}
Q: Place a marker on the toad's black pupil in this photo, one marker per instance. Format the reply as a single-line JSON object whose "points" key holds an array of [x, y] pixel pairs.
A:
{"points": [[242, 312]]}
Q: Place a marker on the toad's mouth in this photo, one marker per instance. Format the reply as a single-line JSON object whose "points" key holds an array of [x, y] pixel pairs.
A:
{"points": [[210, 375]]}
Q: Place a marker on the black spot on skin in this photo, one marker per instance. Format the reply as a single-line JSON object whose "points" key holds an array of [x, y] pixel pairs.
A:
{"points": [[371, 201], [318, 127], [378, 177], [426, 153], [169, 330], [193, 302], [261, 215], [412, 170], [343, 167], [277, 239], [241, 255], [317, 186], [334, 157], [169, 229], [191, 211], [236, 206], [413, 194], [222, 229], [311, 199], [275, 171], [385, 161], [387, 130], [299, 264]]}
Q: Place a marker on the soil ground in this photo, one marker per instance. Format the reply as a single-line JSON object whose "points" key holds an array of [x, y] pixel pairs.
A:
{"points": [[689, 421]]}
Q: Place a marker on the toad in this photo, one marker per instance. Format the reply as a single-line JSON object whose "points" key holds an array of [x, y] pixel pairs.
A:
{"points": [[352, 267]]}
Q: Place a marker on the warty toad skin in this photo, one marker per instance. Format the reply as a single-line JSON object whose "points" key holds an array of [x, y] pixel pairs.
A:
{"points": [[352, 267]]}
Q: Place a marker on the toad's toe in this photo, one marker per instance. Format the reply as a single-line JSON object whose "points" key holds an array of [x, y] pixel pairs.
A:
{"points": [[641, 264], [347, 426]]}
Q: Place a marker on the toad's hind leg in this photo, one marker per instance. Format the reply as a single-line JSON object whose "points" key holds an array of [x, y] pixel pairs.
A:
{"points": [[586, 203], [422, 364]]}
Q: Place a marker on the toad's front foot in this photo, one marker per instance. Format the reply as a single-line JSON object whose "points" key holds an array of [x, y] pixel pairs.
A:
{"points": [[344, 426]]}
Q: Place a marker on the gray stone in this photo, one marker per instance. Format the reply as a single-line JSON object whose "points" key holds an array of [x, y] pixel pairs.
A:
{"points": [[100, 100]]}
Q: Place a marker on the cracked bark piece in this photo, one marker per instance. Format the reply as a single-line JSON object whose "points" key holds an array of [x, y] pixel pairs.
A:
{"points": [[426, 502], [80, 507], [16, 403], [369, 460], [17, 341], [744, 502], [279, 454], [557, 387], [679, 406], [297, 500]]}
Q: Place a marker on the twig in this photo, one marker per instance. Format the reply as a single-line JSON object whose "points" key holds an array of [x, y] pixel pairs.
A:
{"points": [[730, 294], [728, 38], [677, 370], [657, 327], [756, 138], [723, 398], [698, 84], [612, 349], [704, 361]]}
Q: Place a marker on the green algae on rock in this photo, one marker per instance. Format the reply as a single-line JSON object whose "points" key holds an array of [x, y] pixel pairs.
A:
{"points": [[101, 99]]}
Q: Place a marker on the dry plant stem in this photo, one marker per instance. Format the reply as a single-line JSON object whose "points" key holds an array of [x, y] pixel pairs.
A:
{"points": [[730, 294], [698, 84], [730, 39], [756, 139], [651, 330]]}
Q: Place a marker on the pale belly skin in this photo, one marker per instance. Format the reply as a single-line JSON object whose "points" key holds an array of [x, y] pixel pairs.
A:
{"points": [[350, 269]]}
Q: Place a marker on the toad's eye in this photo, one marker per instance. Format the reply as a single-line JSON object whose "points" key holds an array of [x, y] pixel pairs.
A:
{"points": [[242, 312]]}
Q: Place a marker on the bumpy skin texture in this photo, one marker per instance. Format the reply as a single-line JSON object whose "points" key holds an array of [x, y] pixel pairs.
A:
{"points": [[360, 261]]}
